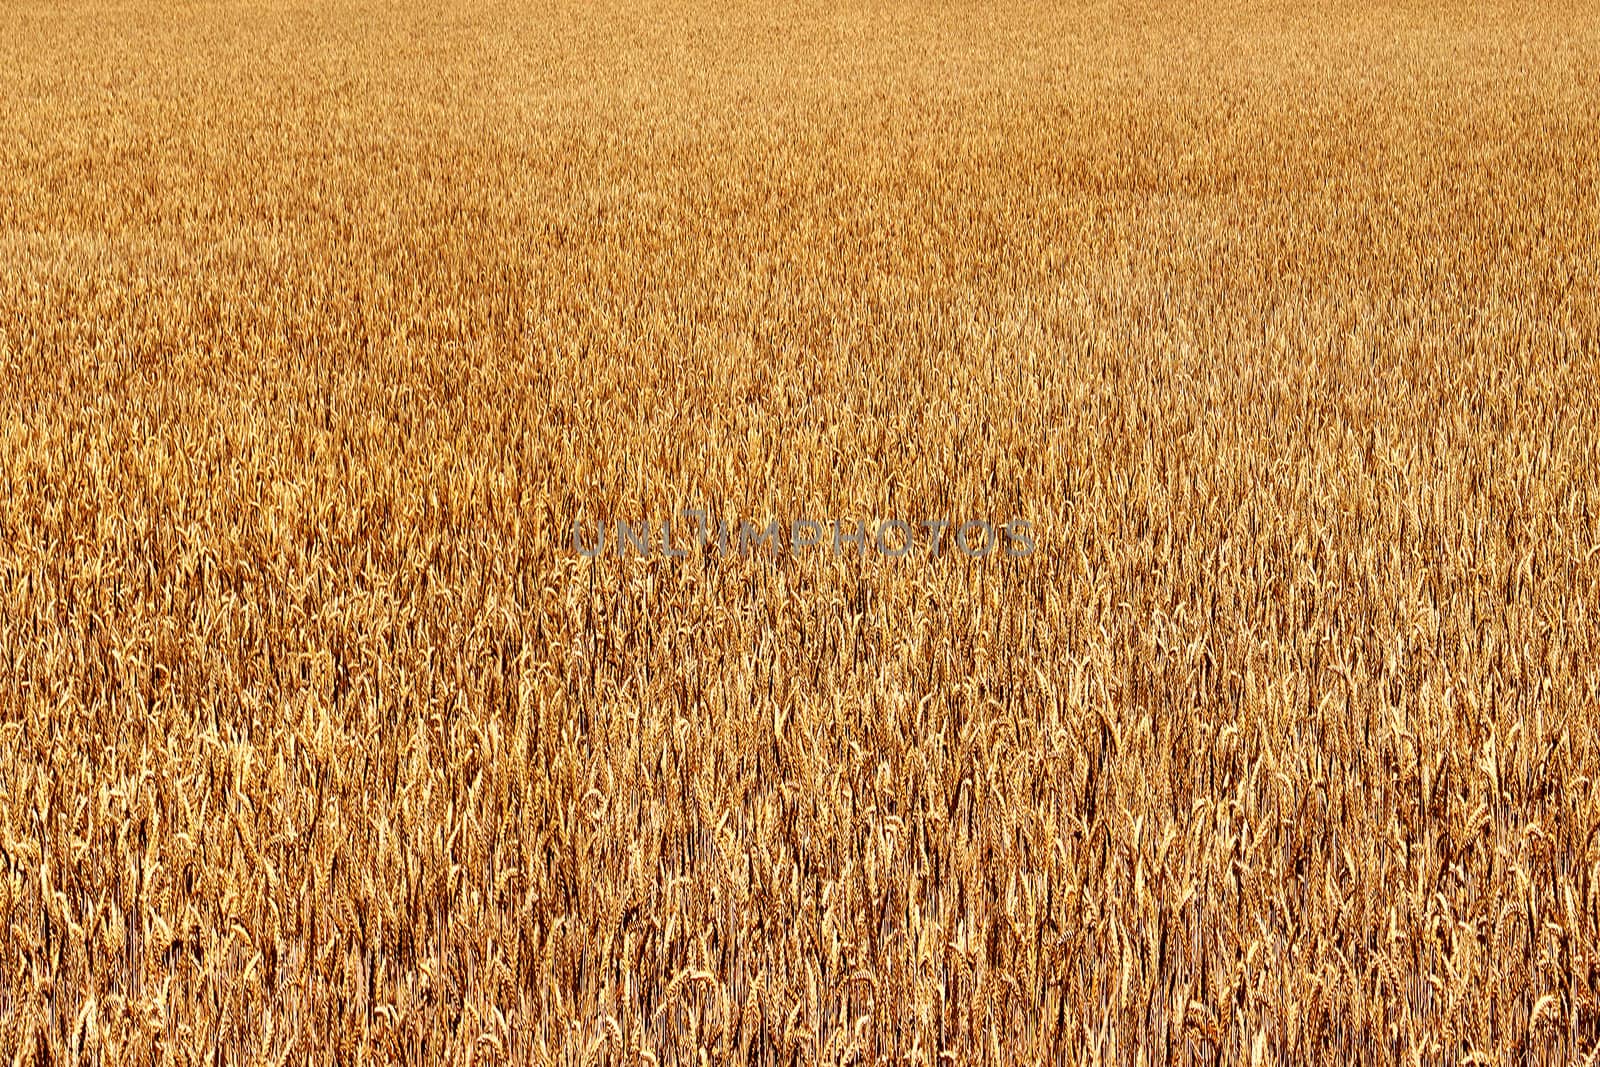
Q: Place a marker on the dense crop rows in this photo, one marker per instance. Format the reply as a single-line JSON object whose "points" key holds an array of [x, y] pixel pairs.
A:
{"points": [[321, 324]]}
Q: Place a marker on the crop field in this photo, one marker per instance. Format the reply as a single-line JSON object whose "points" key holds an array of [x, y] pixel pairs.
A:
{"points": [[1130, 587]]}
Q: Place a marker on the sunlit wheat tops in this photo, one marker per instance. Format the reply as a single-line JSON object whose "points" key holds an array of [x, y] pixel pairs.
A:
{"points": [[321, 326]]}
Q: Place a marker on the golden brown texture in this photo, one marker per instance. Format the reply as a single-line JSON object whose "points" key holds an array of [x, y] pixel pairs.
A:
{"points": [[321, 324]]}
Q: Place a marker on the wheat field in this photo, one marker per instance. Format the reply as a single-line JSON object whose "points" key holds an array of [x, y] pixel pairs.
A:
{"points": [[325, 329]]}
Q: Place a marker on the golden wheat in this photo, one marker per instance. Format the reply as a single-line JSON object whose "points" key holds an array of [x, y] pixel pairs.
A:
{"points": [[321, 327]]}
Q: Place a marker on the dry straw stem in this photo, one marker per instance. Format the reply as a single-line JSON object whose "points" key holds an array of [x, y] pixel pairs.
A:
{"points": [[320, 324]]}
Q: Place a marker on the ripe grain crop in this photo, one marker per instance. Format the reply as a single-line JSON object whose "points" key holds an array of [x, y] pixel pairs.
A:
{"points": [[321, 324]]}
